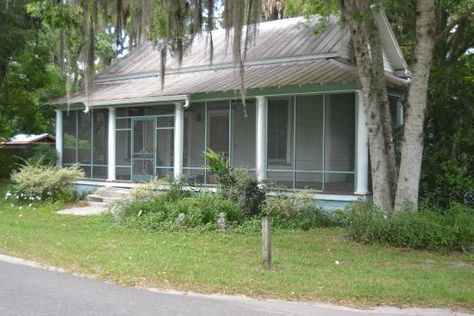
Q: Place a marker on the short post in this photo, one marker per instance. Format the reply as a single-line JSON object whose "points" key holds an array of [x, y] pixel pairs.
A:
{"points": [[267, 242]]}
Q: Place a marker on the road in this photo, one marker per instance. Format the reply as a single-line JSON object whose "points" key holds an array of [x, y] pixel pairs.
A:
{"points": [[27, 289]]}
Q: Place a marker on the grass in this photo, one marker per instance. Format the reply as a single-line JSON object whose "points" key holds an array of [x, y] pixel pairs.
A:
{"points": [[304, 262]]}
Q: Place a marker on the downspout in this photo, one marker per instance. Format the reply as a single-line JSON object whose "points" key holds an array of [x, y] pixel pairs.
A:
{"points": [[186, 103]]}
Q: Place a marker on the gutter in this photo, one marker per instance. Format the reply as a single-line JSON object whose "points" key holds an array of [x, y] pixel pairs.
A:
{"points": [[146, 100]]}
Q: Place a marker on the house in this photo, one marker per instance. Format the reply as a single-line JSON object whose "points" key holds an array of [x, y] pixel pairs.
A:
{"points": [[303, 125]]}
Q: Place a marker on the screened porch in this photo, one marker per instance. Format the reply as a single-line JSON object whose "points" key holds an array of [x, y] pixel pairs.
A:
{"points": [[306, 141]]}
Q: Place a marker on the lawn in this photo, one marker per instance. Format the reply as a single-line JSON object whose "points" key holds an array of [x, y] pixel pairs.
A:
{"points": [[304, 262]]}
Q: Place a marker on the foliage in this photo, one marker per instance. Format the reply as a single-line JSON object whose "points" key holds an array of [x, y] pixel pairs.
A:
{"points": [[43, 154], [236, 185], [452, 229], [448, 165], [27, 75], [46, 182], [167, 211], [297, 211], [149, 190]]}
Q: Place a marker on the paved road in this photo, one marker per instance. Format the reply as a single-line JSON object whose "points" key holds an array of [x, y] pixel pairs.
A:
{"points": [[29, 290]]}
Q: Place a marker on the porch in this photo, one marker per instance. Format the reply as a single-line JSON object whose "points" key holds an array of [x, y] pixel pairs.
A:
{"points": [[315, 141]]}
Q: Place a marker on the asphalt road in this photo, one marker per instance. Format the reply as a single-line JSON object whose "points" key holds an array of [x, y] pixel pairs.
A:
{"points": [[26, 289]]}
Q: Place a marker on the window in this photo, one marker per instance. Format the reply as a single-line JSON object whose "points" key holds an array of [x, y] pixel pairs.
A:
{"points": [[223, 127], [85, 141], [311, 142], [278, 125]]}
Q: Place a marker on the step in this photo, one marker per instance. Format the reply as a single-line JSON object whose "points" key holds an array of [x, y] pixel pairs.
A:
{"points": [[97, 204], [95, 198], [105, 199]]}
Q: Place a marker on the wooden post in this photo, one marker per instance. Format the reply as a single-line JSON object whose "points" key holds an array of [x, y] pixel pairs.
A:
{"points": [[267, 242]]}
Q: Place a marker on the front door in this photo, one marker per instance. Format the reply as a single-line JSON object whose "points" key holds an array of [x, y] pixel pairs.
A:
{"points": [[143, 149]]}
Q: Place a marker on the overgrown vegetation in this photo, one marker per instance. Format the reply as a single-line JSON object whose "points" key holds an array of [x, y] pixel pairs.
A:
{"points": [[239, 186], [237, 205], [35, 181], [10, 160], [431, 229]]}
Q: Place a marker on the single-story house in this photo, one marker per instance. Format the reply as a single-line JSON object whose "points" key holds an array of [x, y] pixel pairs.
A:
{"points": [[303, 125]]}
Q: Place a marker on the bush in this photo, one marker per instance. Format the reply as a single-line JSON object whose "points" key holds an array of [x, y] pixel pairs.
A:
{"points": [[431, 229], [43, 154], [45, 182], [168, 211], [237, 185], [297, 211]]}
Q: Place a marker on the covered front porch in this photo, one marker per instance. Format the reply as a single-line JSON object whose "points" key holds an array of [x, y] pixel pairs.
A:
{"points": [[307, 140]]}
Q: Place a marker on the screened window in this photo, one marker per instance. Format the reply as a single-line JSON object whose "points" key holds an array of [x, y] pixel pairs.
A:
{"points": [[278, 125], [69, 137], [85, 141], [311, 143], [227, 128]]}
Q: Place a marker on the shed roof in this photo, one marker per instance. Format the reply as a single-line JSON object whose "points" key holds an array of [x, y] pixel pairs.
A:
{"points": [[21, 139], [285, 53]]}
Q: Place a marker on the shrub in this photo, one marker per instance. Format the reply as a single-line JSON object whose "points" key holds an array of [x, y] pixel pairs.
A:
{"points": [[431, 229], [43, 154], [168, 187], [297, 211], [237, 185], [198, 211], [45, 182]]}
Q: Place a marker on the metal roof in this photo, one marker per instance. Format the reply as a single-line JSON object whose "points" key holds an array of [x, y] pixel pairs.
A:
{"points": [[280, 39], [21, 139], [285, 53], [137, 90]]}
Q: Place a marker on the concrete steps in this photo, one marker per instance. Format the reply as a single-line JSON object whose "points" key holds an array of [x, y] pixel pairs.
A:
{"points": [[108, 195]]}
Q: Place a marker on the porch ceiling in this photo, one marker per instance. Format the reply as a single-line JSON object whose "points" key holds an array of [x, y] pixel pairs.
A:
{"points": [[138, 90]]}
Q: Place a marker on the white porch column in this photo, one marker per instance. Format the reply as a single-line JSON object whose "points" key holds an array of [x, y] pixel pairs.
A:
{"points": [[111, 146], [362, 148], [178, 140], [261, 143], [59, 136]]}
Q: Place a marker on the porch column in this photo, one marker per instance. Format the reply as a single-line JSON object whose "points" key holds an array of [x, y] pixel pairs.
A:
{"points": [[59, 136], [362, 148], [261, 142], [178, 140], [111, 146]]}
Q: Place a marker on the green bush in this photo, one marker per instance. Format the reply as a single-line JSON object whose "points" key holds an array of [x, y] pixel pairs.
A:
{"points": [[198, 211], [43, 154], [431, 229], [237, 185], [297, 211], [35, 181]]}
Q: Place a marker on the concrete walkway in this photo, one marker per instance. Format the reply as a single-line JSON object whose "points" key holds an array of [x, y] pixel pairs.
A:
{"points": [[98, 201], [27, 288], [93, 208]]}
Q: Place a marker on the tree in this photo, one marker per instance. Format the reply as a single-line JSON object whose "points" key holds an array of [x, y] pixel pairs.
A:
{"points": [[360, 19], [412, 145]]}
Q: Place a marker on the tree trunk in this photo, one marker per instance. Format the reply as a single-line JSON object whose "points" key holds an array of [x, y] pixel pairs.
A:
{"points": [[368, 52], [412, 145]]}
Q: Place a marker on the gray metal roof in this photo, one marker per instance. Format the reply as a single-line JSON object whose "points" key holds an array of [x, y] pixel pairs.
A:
{"points": [[137, 90], [285, 53], [280, 39]]}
